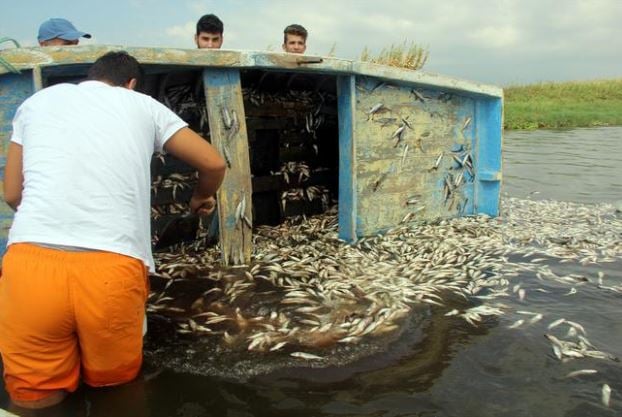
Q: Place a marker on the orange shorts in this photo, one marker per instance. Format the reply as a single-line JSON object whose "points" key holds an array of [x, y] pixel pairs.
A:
{"points": [[63, 313]]}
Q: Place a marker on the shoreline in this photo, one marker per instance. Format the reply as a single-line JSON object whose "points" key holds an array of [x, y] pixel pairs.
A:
{"points": [[571, 104]]}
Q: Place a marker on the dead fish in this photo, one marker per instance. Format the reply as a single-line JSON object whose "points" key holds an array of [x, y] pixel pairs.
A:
{"points": [[374, 109], [556, 323], [404, 156], [516, 324], [418, 96], [572, 291], [277, 346], [226, 118], [226, 154], [606, 395], [581, 372], [576, 326], [243, 208], [398, 133], [557, 352], [438, 161], [304, 355], [238, 212], [235, 126]]}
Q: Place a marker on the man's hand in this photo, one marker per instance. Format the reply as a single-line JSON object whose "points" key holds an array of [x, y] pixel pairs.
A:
{"points": [[202, 205]]}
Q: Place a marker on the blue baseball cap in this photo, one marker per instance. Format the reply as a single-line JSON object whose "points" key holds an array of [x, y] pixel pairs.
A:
{"points": [[57, 27]]}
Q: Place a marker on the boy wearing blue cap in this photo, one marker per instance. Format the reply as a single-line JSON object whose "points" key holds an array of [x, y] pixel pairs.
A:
{"points": [[58, 32]]}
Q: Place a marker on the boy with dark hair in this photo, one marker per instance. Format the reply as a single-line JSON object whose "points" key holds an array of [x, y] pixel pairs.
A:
{"points": [[295, 39], [209, 32], [74, 278]]}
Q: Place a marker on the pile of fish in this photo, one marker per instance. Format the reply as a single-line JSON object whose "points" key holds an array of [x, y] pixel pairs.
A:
{"points": [[305, 287], [306, 290]]}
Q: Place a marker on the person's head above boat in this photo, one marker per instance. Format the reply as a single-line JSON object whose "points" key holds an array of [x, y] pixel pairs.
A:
{"points": [[58, 32], [209, 32], [295, 39]]}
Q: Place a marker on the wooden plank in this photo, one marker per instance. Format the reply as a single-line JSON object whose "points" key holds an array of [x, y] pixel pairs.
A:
{"points": [[26, 58], [37, 78], [401, 134], [487, 156], [346, 102], [224, 94]]}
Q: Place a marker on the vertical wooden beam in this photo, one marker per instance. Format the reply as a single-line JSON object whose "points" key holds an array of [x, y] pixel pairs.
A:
{"points": [[347, 157], [227, 124], [37, 78], [489, 128]]}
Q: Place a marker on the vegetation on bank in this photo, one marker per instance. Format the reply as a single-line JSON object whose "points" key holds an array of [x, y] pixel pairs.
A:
{"points": [[564, 105], [407, 55]]}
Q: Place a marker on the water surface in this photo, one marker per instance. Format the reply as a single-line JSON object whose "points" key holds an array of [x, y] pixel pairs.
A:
{"points": [[446, 367]]}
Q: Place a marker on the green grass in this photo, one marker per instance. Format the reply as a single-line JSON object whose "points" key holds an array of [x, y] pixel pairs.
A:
{"points": [[564, 105]]}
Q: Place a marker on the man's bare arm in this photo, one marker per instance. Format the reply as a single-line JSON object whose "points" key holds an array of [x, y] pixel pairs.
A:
{"points": [[13, 176], [191, 148]]}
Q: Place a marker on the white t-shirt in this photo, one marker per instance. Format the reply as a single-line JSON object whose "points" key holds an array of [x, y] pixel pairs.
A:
{"points": [[87, 151]]}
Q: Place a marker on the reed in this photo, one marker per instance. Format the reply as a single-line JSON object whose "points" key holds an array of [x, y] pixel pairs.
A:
{"points": [[406, 55], [564, 105]]}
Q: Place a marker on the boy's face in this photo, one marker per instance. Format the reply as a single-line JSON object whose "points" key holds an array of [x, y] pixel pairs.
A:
{"points": [[295, 44], [58, 42], [207, 40]]}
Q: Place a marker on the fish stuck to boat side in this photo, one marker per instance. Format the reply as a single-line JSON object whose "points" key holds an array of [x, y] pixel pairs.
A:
{"points": [[430, 136]]}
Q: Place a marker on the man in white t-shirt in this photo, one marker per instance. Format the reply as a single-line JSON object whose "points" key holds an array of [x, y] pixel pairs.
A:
{"points": [[74, 278]]}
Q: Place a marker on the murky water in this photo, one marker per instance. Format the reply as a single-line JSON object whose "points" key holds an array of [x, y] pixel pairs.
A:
{"points": [[444, 367], [580, 165]]}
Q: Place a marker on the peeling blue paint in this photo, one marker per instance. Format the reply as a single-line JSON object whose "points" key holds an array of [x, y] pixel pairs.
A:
{"points": [[347, 178]]}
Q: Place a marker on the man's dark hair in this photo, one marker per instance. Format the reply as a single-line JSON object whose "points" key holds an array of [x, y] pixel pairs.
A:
{"points": [[116, 68], [295, 29], [210, 23]]}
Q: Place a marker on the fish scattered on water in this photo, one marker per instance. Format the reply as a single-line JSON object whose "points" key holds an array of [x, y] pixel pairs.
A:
{"points": [[305, 290]]}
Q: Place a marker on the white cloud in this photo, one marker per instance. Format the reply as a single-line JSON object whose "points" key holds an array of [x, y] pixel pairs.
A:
{"points": [[484, 40], [495, 37], [185, 31]]}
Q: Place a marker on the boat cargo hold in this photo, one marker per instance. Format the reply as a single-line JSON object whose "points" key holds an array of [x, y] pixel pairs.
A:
{"points": [[299, 133]]}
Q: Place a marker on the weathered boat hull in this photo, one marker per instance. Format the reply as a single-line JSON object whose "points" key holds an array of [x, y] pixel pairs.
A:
{"points": [[409, 145]]}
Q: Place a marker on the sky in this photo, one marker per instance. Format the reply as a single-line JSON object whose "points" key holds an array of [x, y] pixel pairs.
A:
{"points": [[500, 42]]}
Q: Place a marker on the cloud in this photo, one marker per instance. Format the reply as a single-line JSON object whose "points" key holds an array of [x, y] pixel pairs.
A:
{"points": [[495, 37], [184, 31], [496, 42]]}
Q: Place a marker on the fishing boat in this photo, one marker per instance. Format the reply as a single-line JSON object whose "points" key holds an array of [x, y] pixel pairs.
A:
{"points": [[300, 133]]}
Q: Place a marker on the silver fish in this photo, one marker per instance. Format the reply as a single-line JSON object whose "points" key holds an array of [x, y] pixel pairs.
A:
{"points": [[581, 372], [304, 355], [226, 118], [606, 395]]}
